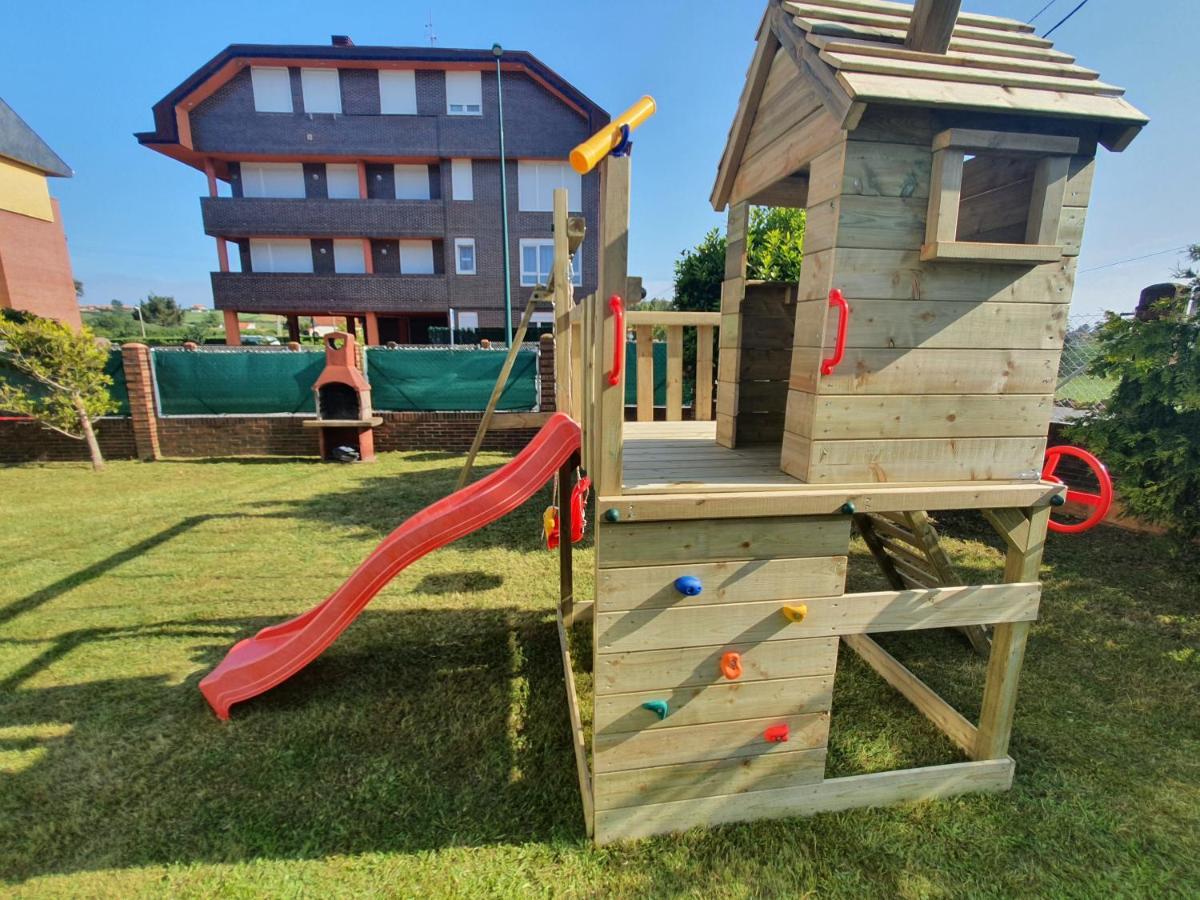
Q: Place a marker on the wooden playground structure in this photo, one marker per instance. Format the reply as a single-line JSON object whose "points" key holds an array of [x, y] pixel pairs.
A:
{"points": [[945, 162]]}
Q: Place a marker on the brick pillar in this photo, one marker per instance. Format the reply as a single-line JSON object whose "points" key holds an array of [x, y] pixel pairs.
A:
{"points": [[546, 372], [136, 360], [233, 331], [371, 327]]}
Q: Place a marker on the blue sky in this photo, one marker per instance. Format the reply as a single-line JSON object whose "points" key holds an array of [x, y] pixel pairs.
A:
{"points": [[86, 77]]}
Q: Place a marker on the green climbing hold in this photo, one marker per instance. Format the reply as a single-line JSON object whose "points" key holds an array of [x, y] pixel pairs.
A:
{"points": [[658, 707], [848, 508], [1058, 500], [612, 514]]}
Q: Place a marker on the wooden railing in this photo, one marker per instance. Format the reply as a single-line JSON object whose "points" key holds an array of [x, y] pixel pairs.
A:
{"points": [[642, 324]]}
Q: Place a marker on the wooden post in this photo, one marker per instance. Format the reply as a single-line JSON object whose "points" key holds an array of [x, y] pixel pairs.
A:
{"points": [[932, 25], [371, 327], [563, 301], [704, 373], [645, 373], [293, 328], [614, 252], [732, 290], [674, 373], [1008, 642], [566, 575]]}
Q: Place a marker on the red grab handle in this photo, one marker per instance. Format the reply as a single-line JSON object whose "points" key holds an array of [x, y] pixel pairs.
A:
{"points": [[618, 366], [1099, 502], [837, 301]]}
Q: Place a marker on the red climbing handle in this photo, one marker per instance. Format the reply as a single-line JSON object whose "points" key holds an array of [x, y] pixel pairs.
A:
{"points": [[1099, 502], [618, 366], [837, 301]]}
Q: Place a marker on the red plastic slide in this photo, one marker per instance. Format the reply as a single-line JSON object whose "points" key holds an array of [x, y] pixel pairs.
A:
{"points": [[277, 653]]}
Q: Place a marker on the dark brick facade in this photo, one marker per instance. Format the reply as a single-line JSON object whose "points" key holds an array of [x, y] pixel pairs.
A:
{"points": [[539, 125], [233, 217]]}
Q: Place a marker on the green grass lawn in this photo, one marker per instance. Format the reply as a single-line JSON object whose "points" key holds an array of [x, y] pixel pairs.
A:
{"points": [[428, 752]]}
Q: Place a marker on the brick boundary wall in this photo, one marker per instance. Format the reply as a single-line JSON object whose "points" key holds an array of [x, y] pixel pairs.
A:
{"points": [[146, 435]]}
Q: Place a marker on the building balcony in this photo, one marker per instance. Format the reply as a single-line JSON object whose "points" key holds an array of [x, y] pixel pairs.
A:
{"points": [[234, 217], [311, 294]]}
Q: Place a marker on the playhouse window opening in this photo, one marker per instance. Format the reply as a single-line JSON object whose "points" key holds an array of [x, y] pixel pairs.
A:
{"points": [[996, 197]]}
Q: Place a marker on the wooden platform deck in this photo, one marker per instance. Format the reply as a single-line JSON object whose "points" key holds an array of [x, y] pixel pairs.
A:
{"points": [[662, 457], [676, 470]]}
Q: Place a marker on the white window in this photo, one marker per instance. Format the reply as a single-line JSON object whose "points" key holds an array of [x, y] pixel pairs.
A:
{"points": [[321, 90], [537, 261], [397, 92], [341, 181], [464, 256], [272, 89], [272, 180], [464, 94], [536, 182], [412, 182], [416, 257], [348, 257], [468, 321], [462, 187], [279, 255]]}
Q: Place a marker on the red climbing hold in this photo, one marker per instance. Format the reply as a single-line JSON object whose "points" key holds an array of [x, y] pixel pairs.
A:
{"points": [[776, 734]]}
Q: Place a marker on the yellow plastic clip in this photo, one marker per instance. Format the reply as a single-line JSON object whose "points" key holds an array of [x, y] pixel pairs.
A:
{"points": [[795, 613]]}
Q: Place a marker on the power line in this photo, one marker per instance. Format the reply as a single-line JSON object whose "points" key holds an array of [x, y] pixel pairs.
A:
{"points": [[1042, 10], [1121, 262], [1081, 5]]}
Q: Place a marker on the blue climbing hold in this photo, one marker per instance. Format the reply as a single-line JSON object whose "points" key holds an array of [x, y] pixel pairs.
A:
{"points": [[688, 585], [658, 707]]}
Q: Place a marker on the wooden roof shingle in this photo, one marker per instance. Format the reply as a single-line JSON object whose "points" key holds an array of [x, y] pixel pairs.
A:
{"points": [[854, 53]]}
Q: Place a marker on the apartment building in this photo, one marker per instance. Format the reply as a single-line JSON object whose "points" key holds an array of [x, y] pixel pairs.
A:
{"points": [[365, 182]]}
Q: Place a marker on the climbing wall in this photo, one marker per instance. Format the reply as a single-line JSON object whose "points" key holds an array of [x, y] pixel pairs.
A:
{"points": [[716, 693]]}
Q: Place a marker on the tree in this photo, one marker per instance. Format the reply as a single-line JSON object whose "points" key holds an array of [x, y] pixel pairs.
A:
{"points": [[60, 378], [198, 330], [774, 250], [159, 310], [1148, 432]]}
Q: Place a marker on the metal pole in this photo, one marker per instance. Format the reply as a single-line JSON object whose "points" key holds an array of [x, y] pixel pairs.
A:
{"points": [[498, 51]]}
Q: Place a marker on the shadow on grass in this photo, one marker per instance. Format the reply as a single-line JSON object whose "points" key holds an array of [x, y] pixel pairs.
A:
{"points": [[417, 730], [32, 601], [457, 582], [378, 504]]}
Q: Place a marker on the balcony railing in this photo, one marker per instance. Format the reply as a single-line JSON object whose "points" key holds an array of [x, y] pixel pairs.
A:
{"points": [[277, 292], [271, 216]]}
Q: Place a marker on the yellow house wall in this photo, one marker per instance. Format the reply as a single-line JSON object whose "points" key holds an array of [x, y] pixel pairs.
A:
{"points": [[24, 191]]}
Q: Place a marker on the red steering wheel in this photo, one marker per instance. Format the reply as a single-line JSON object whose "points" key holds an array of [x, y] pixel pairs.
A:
{"points": [[1099, 502]]}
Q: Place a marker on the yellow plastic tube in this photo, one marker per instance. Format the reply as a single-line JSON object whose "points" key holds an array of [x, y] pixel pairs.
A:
{"points": [[587, 155]]}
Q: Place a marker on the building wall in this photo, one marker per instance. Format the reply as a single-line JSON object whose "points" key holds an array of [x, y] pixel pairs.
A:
{"points": [[537, 126], [35, 269], [24, 190]]}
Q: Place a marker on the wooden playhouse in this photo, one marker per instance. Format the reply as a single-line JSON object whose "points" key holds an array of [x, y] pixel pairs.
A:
{"points": [[945, 162]]}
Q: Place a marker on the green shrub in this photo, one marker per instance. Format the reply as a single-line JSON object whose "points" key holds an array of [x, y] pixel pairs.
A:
{"points": [[1148, 432]]}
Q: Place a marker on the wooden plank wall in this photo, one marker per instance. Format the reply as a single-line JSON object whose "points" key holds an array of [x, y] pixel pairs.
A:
{"points": [[950, 367], [768, 315], [712, 742]]}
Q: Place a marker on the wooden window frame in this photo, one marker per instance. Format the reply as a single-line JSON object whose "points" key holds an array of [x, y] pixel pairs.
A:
{"points": [[950, 147]]}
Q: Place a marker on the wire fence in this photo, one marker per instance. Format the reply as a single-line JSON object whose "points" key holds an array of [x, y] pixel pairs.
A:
{"points": [[1076, 387]]}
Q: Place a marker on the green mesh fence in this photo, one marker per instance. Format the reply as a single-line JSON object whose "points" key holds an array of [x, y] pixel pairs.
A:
{"points": [[113, 367], [245, 381], [660, 375], [449, 380]]}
